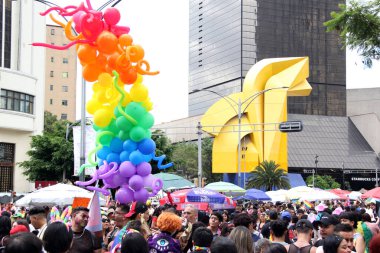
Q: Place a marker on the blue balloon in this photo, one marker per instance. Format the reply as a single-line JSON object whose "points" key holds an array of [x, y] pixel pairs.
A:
{"points": [[147, 158], [100, 162], [147, 146], [136, 157], [113, 157], [129, 146], [116, 145], [103, 153], [124, 156]]}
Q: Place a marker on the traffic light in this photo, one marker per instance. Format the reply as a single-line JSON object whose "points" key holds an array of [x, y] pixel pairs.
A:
{"points": [[290, 126]]}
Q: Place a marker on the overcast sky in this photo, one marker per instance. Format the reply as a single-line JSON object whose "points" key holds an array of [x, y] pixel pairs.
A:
{"points": [[161, 27]]}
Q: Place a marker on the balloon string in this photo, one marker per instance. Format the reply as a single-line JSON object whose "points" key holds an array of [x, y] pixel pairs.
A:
{"points": [[103, 134], [89, 4], [56, 20], [38, 44], [119, 107], [84, 166], [145, 71], [68, 33], [90, 160]]}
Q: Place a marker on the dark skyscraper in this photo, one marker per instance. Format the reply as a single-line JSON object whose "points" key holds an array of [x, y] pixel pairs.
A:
{"points": [[227, 37]]}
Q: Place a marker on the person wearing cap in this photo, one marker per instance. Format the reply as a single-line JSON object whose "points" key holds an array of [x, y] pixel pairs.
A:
{"points": [[304, 230], [326, 225], [38, 220]]}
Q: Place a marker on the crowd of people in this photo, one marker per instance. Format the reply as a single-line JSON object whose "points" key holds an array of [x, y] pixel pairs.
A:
{"points": [[253, 227]]}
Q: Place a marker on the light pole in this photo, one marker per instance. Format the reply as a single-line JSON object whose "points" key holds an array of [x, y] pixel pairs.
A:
{"points": [[316, 168], [239, 104]]}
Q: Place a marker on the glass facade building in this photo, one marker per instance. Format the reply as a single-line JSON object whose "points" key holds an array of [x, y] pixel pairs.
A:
{"points": [[227, 37]]}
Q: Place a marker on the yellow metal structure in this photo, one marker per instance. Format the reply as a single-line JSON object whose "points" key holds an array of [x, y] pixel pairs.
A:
{"points": [[263, 100]]}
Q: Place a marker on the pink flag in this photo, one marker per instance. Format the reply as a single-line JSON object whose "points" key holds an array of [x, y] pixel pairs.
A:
{"points": [[95, 221]]}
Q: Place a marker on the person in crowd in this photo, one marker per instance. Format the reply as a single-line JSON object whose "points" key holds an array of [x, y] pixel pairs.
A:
{"points": [[261, 245], [242, 238], [374, 245], [335, 244], [24, 243], [347, 232], [223, 245], [276, 248], [169, 224], [189, 246], [58, 238], [226, 216], [24, 223], [202, 239], [134, 243], [84, 241], [304, 230], [155, 215], [278, 229], [292, 228], [350, 218], [38, 220], [265, 230], [262, 221], [18, 229], [226, 229], [326, 226], [256, 235], [5, 229], [215, 221], [119, 222], [189, 217]]}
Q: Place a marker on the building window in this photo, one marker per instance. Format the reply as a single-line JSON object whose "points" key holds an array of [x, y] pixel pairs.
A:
{"points": [[64, 102], [65, 60], [51, 87], [65, 88], [16, 101], [7, 163], [6, 31], [51, 101], [51, 59], [52, 73], [52, 32], [65, 74], [63, 116]]}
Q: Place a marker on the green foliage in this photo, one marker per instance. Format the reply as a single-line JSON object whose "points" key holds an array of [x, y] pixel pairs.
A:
{"points": [[323, 182], [185, 159], [50, 153], [207, 162], [268, 175], [358, 25]]}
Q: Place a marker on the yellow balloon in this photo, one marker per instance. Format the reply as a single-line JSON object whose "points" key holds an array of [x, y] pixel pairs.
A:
{"points": [[127, 99], [102, 117], [101, 96], [147, 104], [139, 92], [105, 79], [92, 106], [96, 86], [139, 78]]}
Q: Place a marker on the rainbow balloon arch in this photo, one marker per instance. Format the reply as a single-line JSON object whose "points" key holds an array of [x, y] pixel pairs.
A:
{"points": [[120, 103]]}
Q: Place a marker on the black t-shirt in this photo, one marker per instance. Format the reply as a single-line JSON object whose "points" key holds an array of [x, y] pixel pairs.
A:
{"points": [[85, 242], [319, 243]]}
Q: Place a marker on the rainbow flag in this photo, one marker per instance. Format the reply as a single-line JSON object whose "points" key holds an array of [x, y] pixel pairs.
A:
{"points": [[95, 220], [308, 204]]}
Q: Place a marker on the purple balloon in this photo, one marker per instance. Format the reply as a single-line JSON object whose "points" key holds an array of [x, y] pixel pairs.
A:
{"points": [[157, 185], [148, 180], [103, 169], [109, 181], [136, 182], [118, 180], [141, 195], [144, 169], [124, 195], [127, 169]]}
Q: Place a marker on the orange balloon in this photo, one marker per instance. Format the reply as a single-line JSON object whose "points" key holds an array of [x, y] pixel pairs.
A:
{"points": [[136, 53], [107, 42], [125, 40], [86, 53], [111, 60], [129, 76], [123, 63], [91, 72]]}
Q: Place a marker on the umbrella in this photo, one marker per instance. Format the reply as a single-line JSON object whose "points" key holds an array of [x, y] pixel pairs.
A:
{"points": [[298, 192], [354, 195], [254, 194], [59, 194], [227, 188], [172, 182], [279, 195], [374, 193], [343, 194], [314, 195]]}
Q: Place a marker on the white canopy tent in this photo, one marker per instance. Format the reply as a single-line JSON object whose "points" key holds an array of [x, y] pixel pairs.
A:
{"points": [[279, 195], [59, 194]]}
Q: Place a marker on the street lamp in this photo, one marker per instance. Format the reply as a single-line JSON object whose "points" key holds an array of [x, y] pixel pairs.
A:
{"points": [[316, 168], [239, 104]]}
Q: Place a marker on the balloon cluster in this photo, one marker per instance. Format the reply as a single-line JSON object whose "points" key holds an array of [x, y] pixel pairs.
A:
{"points": [[64, 217], [122, 120]]}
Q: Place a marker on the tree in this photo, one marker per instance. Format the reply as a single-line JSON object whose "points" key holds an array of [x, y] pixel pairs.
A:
{"points": [[207, 162], [358, 24], [268, 175], [185, 159], [50, 153], [323, 182]]}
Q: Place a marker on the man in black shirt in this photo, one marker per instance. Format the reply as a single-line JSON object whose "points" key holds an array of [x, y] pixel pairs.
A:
{"points": [[83, 241]]}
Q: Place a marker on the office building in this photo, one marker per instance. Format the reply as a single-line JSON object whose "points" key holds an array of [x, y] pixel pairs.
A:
{"points": [[60, 76]]}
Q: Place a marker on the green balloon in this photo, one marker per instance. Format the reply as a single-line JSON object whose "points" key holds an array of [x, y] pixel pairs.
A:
{"points": [[112, 127], [123, 124], [147, 121], [135, 110], [123, 135], [106, 139], [148, 134], [137, 133], [96, 128]]}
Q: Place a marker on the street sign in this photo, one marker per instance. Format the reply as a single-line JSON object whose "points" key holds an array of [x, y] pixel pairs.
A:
{"points": [[290, 126]]}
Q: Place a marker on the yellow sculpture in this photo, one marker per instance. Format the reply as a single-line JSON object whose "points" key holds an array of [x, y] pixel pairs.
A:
{"points": [[263, 100]]}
